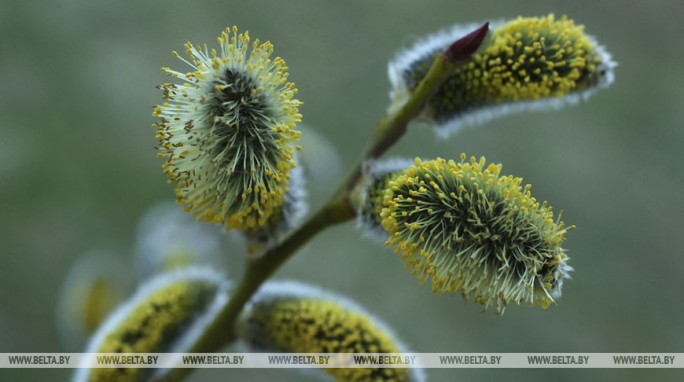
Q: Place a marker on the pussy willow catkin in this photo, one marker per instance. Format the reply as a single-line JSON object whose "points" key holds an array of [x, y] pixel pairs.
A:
{"points": [[294, 317], [468, 229], [530, 63], [227, 131]]}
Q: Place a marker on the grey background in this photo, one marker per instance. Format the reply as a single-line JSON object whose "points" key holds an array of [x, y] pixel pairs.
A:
{"points": [[78, 166]]}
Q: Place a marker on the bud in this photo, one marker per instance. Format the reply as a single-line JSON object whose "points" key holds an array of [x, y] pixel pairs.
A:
{"points": [[463, 48], [294, 317], [532, 63], [168, 238], [227, 131], [167, 314], [470, 230]]}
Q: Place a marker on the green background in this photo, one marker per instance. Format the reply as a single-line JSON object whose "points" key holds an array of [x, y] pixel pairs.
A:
{"points": [[78, 166]]}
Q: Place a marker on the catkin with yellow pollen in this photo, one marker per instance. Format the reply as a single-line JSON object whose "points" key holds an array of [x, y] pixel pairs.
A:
{"points": [[227, 132], [468, 229], [530, 63], [166, 314], [294, 317]]}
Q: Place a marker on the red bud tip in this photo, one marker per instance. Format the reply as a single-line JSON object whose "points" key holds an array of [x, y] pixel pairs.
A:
{"points": [[464, 47]]}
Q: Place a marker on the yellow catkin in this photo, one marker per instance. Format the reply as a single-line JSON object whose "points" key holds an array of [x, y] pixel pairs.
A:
{"points": [[468, 229], [161, 312], [528, 60], [227, 132], [320, 324]]}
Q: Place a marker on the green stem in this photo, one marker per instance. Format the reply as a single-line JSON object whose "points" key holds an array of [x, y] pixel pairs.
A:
{"points": [[392, 127], [260, 269], [337, 210]]}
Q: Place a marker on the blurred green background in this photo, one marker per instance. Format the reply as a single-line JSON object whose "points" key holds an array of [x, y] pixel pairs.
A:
{"points": [[78, 166]]}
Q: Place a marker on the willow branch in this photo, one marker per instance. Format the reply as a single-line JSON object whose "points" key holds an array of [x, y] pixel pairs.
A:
{"points": [[338, 210]]}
